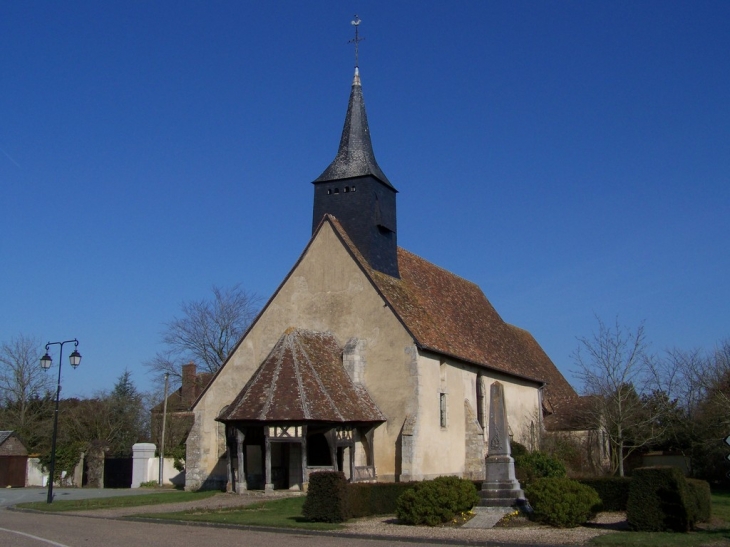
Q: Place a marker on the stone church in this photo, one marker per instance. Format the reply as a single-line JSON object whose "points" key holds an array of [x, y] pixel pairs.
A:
{"points": [[367, 359]]}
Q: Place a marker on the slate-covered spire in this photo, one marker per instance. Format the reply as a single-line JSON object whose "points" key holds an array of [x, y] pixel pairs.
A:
{"points": [[356, 191], [355, 157]]}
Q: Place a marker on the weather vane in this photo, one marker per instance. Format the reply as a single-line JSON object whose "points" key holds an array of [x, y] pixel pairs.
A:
{"points": [[356, 40]]}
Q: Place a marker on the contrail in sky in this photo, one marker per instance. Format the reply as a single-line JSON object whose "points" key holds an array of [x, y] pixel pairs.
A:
{"points": [[8, 156]]}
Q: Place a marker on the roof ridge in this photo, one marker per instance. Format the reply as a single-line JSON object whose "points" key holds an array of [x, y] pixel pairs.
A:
{"points": [[275, 376], [300, 385], [322, 387], [419, 257]]}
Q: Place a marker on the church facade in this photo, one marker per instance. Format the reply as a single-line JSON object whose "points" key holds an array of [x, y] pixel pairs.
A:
{"points": [[367, 358]]}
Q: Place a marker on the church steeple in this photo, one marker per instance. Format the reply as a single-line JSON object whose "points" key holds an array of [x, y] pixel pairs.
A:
{"points": [[355, 157], [356, 191]]}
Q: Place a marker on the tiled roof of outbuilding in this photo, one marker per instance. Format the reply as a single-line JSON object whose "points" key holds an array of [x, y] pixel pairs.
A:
{"points": [[303, 380], [177, 403], [449, 315]]}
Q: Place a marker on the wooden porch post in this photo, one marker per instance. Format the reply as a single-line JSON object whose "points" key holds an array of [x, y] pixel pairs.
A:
{"points": [[268, 485], [352, 458], [369, 435], [241, 485], [229, 468], [305, 475], [331, 437]]}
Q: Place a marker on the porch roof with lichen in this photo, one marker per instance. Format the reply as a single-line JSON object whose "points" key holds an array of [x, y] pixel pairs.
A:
{"points": [[303, 380]]}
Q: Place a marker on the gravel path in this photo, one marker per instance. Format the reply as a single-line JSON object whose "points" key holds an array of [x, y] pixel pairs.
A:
{"points": [[387, 527]]}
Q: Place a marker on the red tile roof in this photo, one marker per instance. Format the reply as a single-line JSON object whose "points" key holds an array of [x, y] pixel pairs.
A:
{"points": [[303, 380], [451, 316]]}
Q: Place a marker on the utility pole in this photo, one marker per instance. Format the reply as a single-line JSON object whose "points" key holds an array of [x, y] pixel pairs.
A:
{"points": [[162, 437]]}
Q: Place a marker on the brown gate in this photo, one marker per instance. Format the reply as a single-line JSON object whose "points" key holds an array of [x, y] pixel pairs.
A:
{"points": [[13, 470]]}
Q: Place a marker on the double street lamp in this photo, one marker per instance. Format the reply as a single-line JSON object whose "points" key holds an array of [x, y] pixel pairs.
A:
{"points": [[46, 361]]}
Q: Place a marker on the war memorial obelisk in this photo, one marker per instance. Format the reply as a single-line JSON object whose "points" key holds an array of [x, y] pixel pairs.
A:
{"points": [[501, 488]]}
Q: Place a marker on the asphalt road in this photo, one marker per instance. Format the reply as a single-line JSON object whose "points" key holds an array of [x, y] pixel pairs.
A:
{"points": [[42, 530]]}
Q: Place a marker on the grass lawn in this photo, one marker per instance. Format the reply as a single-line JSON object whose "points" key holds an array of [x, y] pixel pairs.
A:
{"points": [[281, 513], [716, 534], [172, 496]]}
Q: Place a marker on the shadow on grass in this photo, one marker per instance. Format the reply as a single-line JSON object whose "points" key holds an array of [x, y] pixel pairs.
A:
{"points": [[710, 536], [139, 500], [282, 513]]}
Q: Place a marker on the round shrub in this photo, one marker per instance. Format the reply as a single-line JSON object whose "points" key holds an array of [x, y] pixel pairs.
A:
{"points": [[536, 465], [561, 502], [437, 501]]}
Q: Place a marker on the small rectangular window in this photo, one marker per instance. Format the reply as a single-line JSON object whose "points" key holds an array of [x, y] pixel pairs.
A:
{"points": [[480, 400], [442, 409]]}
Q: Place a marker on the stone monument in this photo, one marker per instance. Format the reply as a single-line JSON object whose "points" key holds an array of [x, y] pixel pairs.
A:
{"points": [[501, 488]]}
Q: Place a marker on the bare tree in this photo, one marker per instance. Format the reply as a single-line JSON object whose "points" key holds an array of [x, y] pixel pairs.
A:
{"points": [[703, 376], [206, 331], [23, 387], [619, 375], [703, 388]]}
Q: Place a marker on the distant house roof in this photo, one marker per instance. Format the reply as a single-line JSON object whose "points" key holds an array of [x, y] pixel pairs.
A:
{"points": [[192, 386], [451, 316], [11, 444], [303, 380]]}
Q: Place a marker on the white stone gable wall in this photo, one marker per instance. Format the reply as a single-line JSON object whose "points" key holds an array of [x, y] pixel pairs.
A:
{"points": [[326, 291]]}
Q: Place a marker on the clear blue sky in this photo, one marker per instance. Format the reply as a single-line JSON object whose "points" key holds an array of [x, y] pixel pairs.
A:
{"points": [[572, 158]]}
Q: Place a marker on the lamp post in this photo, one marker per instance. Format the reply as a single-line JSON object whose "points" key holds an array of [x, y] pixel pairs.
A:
{"points": [[46, 361]]}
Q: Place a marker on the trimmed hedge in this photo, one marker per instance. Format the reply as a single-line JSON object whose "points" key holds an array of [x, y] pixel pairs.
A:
{"points": [[437, 501], [375, 498], [327, 499], [562, 502], [535, 465], [613, 491], [660, 500], [701, 498]]}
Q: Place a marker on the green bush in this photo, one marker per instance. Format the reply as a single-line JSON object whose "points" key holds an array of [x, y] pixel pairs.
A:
{"points": [[562, 502], [379, 498], [536, 465], [613, 491], [659, 500], [518, 449], [327, 497], [437, 501], [701, 500]]}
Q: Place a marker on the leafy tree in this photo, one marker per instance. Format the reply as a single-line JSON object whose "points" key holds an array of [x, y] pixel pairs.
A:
{"points": [[111, 420], [701, 382], [206, 331], [129, 414]]}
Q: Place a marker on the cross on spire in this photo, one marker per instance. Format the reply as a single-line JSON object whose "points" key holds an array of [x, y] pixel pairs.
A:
{"points": [[356, 40]]}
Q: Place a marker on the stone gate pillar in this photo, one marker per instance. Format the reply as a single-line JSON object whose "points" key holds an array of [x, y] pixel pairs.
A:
{"points": [[141, 455]]}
